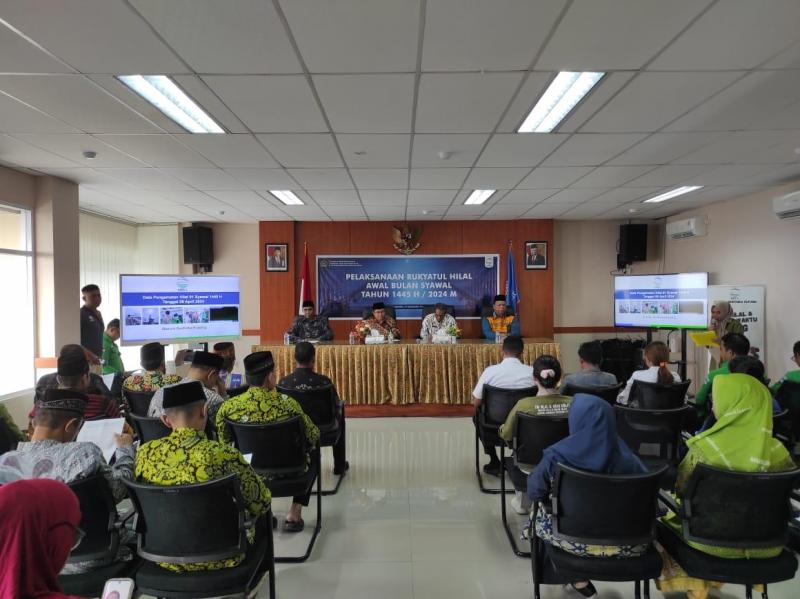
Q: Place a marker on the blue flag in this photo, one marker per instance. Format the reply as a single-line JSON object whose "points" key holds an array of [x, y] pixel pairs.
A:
{"points": [[512, 292]]}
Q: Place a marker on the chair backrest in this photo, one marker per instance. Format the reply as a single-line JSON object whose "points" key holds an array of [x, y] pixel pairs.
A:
{"points": [[738, 509], [186, 524], [390, 311], [604, 509], [609, 393], [138, 402], [497, 402], [318, 404], [279, 448], [8, 440], [98, 519], [148, 429], [535, 433], [653, 396], [431, 308], [788, 397], [488, 310], [652, 427]]}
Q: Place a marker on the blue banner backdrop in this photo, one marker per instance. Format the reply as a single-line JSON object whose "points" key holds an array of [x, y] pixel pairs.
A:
{"points": [[346, 285]]}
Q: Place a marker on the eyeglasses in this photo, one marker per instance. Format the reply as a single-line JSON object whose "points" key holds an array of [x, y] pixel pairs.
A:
{"points": [[79, 534]]}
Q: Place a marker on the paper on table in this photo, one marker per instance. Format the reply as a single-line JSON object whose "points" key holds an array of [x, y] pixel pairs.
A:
{"points": [[704, 338], [101, 433], [108, 379]]}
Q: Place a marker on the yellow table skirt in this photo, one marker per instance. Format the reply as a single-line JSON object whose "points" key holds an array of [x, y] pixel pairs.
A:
{"points": [[406, 372]]}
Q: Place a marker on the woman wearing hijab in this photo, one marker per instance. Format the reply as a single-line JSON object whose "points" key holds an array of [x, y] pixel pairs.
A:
{"points": [[593, 445], [722, 320], [38, 528], [740, 440]]}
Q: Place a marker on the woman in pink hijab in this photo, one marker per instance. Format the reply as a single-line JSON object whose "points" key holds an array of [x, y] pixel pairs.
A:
{"points": [[38, 528]]}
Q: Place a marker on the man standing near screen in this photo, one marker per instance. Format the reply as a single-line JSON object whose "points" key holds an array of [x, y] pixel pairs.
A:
{"points": [[310, 326], [92, 326]]}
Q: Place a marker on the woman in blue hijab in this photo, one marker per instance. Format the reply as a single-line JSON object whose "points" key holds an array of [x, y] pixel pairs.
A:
{"points": [[593, 445]]}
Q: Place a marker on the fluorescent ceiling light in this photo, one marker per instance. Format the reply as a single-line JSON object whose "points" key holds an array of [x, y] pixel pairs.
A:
{"points": [[479, 196], [162, 93], [678, 191], [560, 97], [287, 197]]}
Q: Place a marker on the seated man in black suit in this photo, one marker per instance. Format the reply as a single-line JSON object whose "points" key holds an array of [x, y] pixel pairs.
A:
{"points": [[305, 379]]}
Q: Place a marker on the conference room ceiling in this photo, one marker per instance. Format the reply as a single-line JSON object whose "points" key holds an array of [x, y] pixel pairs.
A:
{"points": [[398, 109]]}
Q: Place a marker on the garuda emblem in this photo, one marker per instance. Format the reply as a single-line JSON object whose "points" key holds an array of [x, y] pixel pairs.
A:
{"points": [[405, 239]]}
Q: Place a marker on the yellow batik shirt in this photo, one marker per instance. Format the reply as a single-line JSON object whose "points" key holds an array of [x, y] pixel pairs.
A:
{"points": [[257, 405], [187, 456], [500, 324]]}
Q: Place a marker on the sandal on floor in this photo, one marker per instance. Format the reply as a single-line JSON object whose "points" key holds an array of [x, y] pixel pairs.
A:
{"points": [[289, 526]]}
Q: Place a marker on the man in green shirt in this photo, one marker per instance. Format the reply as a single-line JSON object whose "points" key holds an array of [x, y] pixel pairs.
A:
{"points": [[792, 375], [732, 345], [112, 361]]}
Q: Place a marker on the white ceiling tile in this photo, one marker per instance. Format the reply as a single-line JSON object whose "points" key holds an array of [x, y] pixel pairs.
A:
{"points": [[16, 117], [611, 176], [575, 196], [777, 175], [156, 150], [383, 197], [146, 178], [495, 178], [552, 177], [519, 149], [15, 151], [437, 178], [380, 178], [385, 212], [603, 92], [240, 199], [206, 178], [527, 196], [213, 38], [784, 118], [530, 92], [507, 211], [634, 210], [474, 35], [305, 212], [430, 197], [72, 146], [263, 178], [89, 107], [186, 214], [336, 197], [788, 59], [652, 100], [414, 213], [88, 176], [270, 103], [18, 55], [588, 149], [314, 150], [367, 103], [322, 178], [751, 98], [605, 35], [730, 175], [735, 34], [349, 36], [374, 151], [588, 210], [624, 195], [547, 210], [670, 174], [713, 194], [104, 36], [466, 212], [345, 212], [266, 213], [463, 149], [463, 102], [204, 96], [661, 148], [742, 146], [231, 150]]}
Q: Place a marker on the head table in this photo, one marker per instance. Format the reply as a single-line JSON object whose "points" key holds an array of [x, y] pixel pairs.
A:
{"points": [[406, 372]]}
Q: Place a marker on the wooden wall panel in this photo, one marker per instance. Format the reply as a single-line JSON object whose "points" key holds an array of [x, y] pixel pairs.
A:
{"points": [[280, 291]]}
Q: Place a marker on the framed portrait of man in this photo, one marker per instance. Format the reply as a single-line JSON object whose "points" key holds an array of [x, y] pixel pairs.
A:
{"points": [[536, 255], [276, 257]]}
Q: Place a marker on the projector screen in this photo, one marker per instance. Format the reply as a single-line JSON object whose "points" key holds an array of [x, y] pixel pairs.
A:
{"points": [[673, 301], [178, 308]]}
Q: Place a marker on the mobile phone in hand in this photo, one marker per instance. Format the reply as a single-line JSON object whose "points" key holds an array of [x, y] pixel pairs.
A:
{"points": [[118, 588]]}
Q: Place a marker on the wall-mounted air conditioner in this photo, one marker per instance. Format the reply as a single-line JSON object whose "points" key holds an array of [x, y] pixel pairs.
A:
{"points": [[787, 207], [687, 227]]}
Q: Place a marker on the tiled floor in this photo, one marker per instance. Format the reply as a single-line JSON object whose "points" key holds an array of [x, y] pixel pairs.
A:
{"points": [[409, 521]]}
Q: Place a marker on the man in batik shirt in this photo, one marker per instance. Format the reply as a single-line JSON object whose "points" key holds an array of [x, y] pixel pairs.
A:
{"points": [[153, 375], [205, 369], [53, 453], [438, 320], [187, 456], [379, 321], [310, 325], [304, 378], [262, 403]]}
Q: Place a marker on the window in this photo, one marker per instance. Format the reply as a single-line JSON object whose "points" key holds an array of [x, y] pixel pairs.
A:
{"points": [[17, 304]]}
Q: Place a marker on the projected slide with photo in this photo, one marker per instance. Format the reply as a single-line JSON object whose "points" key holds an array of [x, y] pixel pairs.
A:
{"points": [[178, 308], [678, 301]]}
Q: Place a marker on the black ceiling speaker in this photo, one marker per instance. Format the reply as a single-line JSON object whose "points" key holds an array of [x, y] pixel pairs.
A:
{"points": [[198, 245], [632, 243]]}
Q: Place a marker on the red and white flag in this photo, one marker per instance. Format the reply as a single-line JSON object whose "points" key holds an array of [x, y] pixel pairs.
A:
{"points": [[305, 281]]}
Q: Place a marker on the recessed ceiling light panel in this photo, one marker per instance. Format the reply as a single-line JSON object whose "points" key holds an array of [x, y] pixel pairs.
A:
{"points": [[558, 100]]}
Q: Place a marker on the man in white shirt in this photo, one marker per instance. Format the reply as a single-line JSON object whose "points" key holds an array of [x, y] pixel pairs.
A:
{"points": [[511, 373], [438, 320]]}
